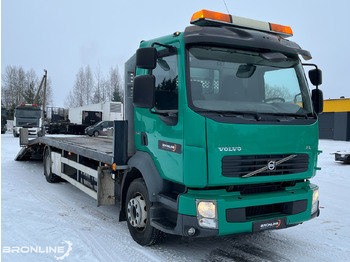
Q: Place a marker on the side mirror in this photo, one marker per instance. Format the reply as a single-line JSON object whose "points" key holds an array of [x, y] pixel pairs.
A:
{"points": [[317, 100], [144, 89], [315, 76], [146, 58]]}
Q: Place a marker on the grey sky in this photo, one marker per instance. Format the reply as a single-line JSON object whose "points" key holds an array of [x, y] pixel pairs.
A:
{"points": [[63, 35]]}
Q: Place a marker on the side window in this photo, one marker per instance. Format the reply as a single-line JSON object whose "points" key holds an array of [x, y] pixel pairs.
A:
{"points": [[166, 96]]}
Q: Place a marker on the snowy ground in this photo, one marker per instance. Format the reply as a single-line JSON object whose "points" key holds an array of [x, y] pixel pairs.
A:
{"points": [[37, 215]]}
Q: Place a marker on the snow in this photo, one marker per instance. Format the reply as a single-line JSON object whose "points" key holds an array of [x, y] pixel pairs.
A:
{"points": [[37, 214]]}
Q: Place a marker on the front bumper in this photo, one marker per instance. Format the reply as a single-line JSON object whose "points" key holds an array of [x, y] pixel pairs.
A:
{"points": [[31, 131], [248, 213]]}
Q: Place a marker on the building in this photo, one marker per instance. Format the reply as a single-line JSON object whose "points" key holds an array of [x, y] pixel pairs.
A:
{"points": [[334, 122]]}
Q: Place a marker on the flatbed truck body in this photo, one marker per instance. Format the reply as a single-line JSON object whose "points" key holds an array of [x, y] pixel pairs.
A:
{"points": [[220, 135]]}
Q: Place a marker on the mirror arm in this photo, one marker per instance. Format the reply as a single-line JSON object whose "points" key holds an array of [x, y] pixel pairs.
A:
{"points": [[307, 64], [170, 47]]}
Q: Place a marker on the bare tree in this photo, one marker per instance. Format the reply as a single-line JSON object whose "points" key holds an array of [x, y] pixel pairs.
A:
{"points": [[82, 93], [19, 86], [277, 92], [88, 89], [97, 97], [89, 85]]}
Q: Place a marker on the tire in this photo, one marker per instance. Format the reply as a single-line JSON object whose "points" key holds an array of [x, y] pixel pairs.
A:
{"points": [[137, 206], [50, 177], [96, 133]]}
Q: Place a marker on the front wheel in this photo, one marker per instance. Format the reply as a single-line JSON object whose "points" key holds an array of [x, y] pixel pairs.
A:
{"points": [[96, 133], [137, 206]]}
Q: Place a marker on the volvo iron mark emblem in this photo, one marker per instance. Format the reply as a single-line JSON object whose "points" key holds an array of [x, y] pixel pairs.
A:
{"points": [[271, 165]]}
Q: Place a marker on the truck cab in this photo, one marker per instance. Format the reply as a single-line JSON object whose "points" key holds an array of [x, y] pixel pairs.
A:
{"points": [[27, 116], [223, 128]]}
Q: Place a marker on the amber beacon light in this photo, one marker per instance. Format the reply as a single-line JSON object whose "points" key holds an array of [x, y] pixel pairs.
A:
{"points": [[210, 18]]}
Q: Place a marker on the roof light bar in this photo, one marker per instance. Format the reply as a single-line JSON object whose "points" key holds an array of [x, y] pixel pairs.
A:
{"points": [[28, 104], [205, 17], [210, 15]]}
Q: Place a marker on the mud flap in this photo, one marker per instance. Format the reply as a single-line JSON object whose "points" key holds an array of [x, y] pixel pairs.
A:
{"points": [[106, 187]]}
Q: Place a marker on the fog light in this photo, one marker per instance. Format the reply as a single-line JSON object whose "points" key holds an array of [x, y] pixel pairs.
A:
{"points": [[191, 231], [314, 207], [207, 213]]}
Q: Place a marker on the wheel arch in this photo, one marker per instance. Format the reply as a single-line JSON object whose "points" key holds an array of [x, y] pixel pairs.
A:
{"points": [[141, 165]]}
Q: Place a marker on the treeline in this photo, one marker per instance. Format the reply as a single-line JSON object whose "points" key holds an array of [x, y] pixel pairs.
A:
{"points": [[95, 87], [19, 86]]}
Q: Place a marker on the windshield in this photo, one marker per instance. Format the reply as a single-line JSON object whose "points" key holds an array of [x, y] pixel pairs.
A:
{"points": [[36, 113], [27, 117], [229, 80]]}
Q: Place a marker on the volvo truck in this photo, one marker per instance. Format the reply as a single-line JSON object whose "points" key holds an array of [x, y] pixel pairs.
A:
{"points": [[220, 135]]}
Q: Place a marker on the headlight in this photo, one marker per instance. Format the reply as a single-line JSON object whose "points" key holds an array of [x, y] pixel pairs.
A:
{"points": [[207, 213], [314, 207]]}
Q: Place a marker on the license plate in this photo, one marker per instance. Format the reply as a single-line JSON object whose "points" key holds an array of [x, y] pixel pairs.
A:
{"points": [[270, 224]]}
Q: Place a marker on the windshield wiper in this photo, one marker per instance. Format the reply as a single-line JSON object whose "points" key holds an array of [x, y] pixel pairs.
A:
{"points": [[306, 116], [236, 113]]}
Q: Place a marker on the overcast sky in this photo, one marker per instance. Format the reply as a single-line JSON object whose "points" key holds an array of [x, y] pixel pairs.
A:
{"points": [[64, 35]]}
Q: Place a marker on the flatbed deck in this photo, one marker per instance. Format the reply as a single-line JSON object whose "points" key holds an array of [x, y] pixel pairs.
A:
{"points": [[97, 148]]}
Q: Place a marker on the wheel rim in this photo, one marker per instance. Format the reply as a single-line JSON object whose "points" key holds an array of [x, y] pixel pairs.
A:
{"points": [[137, 212]]}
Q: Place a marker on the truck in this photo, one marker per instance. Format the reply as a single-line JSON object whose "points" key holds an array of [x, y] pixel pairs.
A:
{"points": [[27, 116], [76, 120], [219, 137], [108, 111], [3, 120]]}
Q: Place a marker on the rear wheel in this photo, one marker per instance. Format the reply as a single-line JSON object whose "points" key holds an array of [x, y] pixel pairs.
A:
{"points": [[50, 177], [137, 208]]}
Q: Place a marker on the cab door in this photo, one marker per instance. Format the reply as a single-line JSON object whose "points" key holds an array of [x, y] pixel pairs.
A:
{"points": [[159, 131]]}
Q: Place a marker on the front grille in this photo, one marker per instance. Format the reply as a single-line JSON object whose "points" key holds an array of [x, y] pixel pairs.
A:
{"points": [[238, 166], [243, 214], [264, 210], [260, 188]]}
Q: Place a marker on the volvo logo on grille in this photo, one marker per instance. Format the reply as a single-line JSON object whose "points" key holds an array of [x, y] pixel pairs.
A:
{"points": [[271, 165]]}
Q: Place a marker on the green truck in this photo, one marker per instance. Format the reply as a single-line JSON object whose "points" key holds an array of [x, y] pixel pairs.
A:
{"points": [[220, 135]]}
